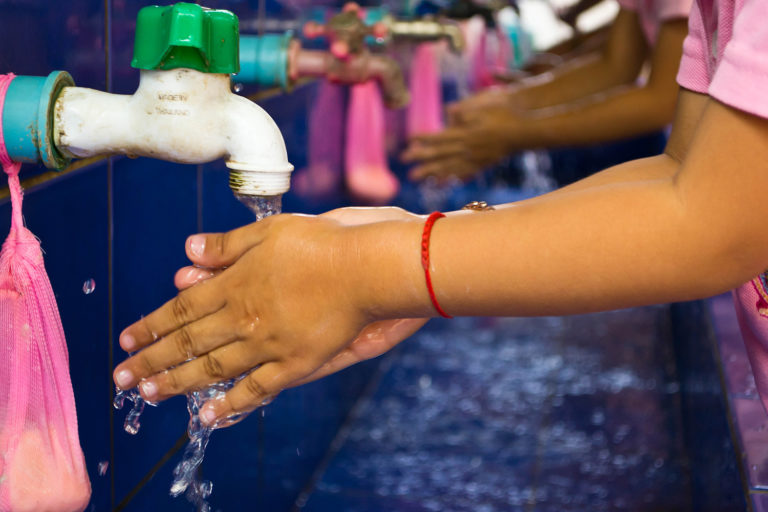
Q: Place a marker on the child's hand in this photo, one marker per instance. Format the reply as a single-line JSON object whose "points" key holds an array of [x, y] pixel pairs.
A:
{"points": [[286, 303], [461, 151], [499, 97]]}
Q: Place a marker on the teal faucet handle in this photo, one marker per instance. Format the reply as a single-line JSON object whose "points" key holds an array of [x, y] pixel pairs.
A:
{"points": [[186, 35]]}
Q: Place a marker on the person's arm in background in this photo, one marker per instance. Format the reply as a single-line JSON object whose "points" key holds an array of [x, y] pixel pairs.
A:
{"points": [[486, 135], [618, 63]]}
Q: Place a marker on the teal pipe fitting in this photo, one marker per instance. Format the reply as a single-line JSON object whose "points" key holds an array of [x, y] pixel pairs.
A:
{"points": [[264, 60], [28, 118], [372, 16]]}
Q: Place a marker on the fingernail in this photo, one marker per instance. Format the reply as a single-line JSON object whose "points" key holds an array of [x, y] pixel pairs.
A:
{"points": [[123, 379], [148, 389], [208, 415], [128, 342], [196, 245]]}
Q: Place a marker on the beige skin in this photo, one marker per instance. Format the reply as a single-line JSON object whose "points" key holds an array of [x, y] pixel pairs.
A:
{"points": [[304, 296], [591, 100]]}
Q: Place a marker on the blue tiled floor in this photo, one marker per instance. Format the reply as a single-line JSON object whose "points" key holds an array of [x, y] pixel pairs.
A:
{"points": [[574, 413]]}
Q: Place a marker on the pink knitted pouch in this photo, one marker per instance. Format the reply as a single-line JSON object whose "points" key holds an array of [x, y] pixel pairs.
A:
{"points": [[42, 468]]}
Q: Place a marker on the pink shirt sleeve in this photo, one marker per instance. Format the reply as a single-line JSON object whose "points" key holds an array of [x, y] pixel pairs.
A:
{"points": [[673, 9], [741, 79], [693, 72], [662, 10]]}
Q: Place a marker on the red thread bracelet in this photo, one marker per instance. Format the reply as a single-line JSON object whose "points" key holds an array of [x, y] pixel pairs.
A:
{"points": [[425, 260]]}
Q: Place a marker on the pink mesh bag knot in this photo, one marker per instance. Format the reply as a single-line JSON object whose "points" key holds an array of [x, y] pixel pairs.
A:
{"points": [[42, 468]]}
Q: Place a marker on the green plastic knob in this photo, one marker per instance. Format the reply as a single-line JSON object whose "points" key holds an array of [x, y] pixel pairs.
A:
{"points": [[186, 35]]}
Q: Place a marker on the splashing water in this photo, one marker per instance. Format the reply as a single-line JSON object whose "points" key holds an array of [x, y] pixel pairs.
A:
{"points": [[131, 424], [262, 207], [186, 479], [185, 472]]}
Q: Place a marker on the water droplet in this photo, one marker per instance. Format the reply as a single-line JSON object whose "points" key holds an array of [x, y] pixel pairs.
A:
{"points": [[425, 381], [89, 286], [298, 452], [238, 87], [103, 466]]}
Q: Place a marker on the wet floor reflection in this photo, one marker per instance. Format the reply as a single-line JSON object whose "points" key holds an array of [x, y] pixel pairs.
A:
{"points": [[577, 413]]}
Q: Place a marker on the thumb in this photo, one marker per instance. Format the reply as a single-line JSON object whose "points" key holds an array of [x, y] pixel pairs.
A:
{"points": [[216, 250]]}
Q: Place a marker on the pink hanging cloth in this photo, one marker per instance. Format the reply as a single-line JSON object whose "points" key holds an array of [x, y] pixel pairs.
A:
{"points": [[42, 468], [322, 176], [368, 176], [425, 111]]}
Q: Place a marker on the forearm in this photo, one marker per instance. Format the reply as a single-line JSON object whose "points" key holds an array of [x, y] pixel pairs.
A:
{"points": [[686, 230], [618, 63], [581, 76], [600, 118]]}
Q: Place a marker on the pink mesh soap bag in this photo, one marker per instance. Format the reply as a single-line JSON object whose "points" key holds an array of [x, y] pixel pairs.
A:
{"points": [[42, 468]]}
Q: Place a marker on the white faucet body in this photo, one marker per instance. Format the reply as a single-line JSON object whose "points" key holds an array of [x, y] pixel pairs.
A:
{"points": [[181, 115]]}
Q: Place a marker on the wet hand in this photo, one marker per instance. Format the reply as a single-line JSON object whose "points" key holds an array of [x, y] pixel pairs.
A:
{"points": [[376, 338], [271, 309]]}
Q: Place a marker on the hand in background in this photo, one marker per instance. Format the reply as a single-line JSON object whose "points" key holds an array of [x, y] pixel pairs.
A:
{"points": [[461, 151]]}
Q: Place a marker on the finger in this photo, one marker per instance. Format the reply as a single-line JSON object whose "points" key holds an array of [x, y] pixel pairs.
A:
{"points": [[440, 169], [221, 364], [216, 250], [256, 389], [190, 276], [419, 153], [374, 340], [189, 305], [181, 345]]}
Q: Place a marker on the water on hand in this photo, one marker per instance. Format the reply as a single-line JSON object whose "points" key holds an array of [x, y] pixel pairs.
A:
{"points": [[185, 474], [131, 424]]}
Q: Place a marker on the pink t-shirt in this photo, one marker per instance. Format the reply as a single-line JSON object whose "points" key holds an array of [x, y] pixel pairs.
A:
{"points": [[726, 56], [653, 13], [726, 53]]}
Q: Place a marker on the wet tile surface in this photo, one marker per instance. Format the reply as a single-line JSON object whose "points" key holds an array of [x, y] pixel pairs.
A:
{"points": [[572, 413], [753, 429], [738, 373]]}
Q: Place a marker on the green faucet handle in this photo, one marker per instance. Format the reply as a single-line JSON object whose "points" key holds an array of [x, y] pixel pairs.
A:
{"points": [[186, 35]]}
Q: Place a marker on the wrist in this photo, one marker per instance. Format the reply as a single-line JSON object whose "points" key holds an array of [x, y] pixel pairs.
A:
{"points": [[385, 274]]}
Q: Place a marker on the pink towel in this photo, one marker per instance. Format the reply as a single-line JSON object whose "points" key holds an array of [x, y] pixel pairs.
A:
{"points": [[42, 468], [322, 176], [425, 111], [367, 174]]}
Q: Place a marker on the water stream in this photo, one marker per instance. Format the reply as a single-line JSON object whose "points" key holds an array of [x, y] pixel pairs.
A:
{"points": [[187, 479]]}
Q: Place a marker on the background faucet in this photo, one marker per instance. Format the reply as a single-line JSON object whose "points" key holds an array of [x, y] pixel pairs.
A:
{"points": [[349, 60]]}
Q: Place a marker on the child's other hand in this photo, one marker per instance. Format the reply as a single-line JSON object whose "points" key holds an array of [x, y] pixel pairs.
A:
{"points": [[285, 303], [461, 151], [498, 97]]}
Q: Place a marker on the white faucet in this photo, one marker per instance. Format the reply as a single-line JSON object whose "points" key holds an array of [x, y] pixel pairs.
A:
{"points": [[181, 115]]}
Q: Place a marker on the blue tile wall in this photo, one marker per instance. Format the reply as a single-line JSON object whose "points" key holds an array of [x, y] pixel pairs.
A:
{"points": [[122, 223]]}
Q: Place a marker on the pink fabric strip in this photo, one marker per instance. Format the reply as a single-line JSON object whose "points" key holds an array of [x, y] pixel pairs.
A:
{"points": [[10, 167]]}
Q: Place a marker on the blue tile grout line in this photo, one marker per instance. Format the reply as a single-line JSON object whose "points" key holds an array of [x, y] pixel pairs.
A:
{"points": [[110, 258], [355, 413]]}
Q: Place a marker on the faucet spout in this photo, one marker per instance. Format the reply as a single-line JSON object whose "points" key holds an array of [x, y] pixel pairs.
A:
{"points": [[426, 29], [181, 115]]}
